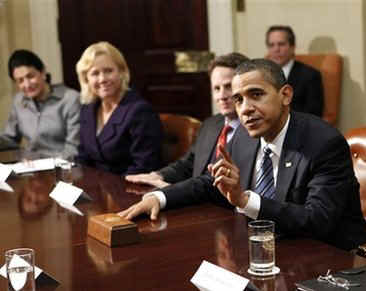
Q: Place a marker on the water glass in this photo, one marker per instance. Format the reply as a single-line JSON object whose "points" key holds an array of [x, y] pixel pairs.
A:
{"points": [[63, 170], [261, 247], [20, 269]]}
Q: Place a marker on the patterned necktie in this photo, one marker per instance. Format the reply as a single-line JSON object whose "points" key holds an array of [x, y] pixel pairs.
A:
{"points": [[264, 184], [222, 138]]}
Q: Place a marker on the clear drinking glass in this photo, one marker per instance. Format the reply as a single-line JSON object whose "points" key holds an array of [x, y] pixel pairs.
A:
{"points": [[20, 269], [63, 170], [261, 247]]}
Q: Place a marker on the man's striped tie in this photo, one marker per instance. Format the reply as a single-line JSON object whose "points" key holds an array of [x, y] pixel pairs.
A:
{"points": [[264, 184]]}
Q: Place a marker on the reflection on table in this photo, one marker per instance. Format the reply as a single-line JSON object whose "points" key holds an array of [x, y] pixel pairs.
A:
{"points": [[169, 253]]}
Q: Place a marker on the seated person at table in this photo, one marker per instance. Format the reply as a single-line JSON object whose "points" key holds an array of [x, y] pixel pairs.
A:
{"points": [[194, 163], [306, 81], [46, 116], [289, 167], [120, 132]]}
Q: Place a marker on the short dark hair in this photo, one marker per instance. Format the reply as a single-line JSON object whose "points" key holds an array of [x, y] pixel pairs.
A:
{"points": [[25, 58], [231, 60], [285, 28], [271, 72]]}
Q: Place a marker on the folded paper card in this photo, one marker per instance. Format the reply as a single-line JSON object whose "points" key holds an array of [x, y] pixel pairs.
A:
{"points": [[5, 172], [40, 276], [6, 187], [66, 193], [71, 208], [210, 277], [113, 230]]}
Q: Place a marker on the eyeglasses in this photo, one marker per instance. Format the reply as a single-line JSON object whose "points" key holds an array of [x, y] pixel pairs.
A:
{"points": [[337, 281]]}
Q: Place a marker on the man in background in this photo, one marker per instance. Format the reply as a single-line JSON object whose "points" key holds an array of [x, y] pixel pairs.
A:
{"points": [[306, 81], [195, 161]]}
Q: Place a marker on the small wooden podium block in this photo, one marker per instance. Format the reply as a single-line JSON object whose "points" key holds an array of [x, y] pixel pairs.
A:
{"points": [[112, 230]]}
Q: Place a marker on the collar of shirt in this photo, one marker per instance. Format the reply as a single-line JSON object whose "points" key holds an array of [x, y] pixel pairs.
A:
{"points": [[276, 148], [276, 144], [234, 123], [287, 68], [30, 103], [49, 96]]}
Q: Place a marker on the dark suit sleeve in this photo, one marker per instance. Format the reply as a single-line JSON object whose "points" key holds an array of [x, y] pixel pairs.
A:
{"points": [[315, 95], [194, 191], [180, 170], [195, 161], [324, 186]]}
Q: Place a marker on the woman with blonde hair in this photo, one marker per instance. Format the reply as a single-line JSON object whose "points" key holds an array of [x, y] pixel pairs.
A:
{"points": [[119, 131]]}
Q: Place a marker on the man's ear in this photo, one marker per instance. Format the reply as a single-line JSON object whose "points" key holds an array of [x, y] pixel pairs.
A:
{"points": [[286, 92]]}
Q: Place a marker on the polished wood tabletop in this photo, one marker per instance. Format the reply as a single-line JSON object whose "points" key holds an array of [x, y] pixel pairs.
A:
{"points": [[169, 253]]}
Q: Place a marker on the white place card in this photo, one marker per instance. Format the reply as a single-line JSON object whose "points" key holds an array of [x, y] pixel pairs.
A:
{"points": [[5, 172], [40, 276], [37, 271], [210, 277], [6, 187], [66, 193], [71, 208], [33, 166]]}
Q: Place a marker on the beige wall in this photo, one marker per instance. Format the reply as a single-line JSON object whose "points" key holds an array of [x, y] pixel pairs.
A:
{"points": [[14, 33], [30, 25], [321, 26]]}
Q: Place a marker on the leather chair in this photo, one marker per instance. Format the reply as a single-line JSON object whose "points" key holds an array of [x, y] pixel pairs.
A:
{"points": [[330, 66], [180, 132], [356, 139]]}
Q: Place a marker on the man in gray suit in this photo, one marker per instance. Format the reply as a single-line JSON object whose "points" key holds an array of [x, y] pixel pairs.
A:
{"points": [[195, 161]]}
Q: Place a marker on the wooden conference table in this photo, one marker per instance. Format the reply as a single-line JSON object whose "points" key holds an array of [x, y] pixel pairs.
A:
{"points": [[170, 250]]}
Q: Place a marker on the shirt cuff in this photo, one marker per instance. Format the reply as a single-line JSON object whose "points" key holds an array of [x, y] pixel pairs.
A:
{"points": [[252, 208], [158, 194]]}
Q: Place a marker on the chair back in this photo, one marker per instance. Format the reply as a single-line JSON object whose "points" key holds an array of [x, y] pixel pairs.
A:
{"points": [[356, 139], [330, 67], [180, 132]]}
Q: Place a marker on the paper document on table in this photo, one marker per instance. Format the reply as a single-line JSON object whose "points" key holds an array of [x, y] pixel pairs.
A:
{"points": [[33, 166], [210, 277]]}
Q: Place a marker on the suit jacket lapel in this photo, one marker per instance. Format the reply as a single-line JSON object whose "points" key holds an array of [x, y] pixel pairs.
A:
{"points": [[111, 127], [91, 125], [290, 157], [293, 77], [209, 144], [244, 153]]}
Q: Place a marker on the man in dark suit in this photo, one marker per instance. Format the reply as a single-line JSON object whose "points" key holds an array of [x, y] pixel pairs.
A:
{"points": [[312, 189], [195, 161], [306, 81]]}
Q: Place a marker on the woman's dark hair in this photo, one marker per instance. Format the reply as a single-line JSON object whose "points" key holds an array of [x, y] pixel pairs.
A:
{"points": [[25, 58]]}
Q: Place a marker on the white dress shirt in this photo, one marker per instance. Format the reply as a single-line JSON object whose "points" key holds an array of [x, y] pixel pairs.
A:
{"points": [[287, 68], [254, 202]]}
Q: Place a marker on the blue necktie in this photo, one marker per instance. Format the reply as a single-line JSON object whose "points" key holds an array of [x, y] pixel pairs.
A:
{"points": [[264, 184]]}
